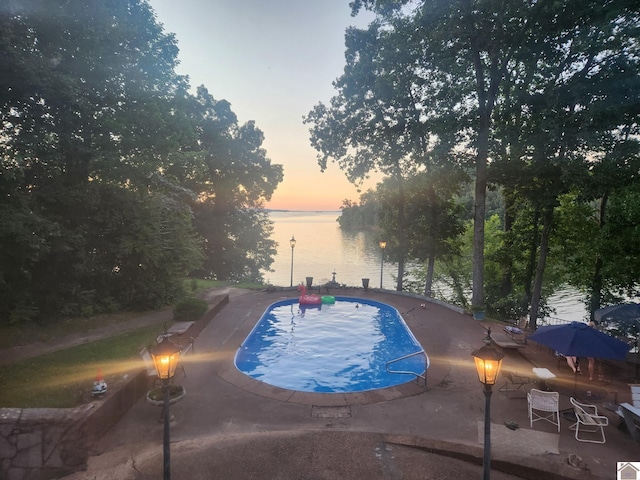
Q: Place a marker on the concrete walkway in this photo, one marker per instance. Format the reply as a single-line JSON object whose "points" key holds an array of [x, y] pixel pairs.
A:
{"points": [[232, 427]]}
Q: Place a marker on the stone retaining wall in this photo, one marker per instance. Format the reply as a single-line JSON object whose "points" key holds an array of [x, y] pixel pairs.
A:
{"points": [[114, 406], [42, 443], [46, 443]]}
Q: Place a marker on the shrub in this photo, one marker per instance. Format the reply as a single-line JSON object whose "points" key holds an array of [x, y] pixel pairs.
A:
{"points": [[189, 309]]}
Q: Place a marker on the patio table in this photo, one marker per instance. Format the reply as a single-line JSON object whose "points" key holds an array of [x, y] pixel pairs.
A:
{"points": [[543, 375]]}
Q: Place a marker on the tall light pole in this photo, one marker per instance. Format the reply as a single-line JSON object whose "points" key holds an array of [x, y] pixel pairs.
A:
{"points": [[292, 242], [383, 245], [165, 359], [488, 361]]}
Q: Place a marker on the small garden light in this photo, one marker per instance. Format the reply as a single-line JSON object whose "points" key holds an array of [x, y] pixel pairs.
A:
{"points": [[382, 245]]}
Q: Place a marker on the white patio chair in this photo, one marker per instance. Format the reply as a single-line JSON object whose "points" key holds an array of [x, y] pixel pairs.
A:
{"points": [[546, 402], [587, 416]]}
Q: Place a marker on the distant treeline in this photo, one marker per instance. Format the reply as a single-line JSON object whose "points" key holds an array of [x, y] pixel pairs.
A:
{"points": [[365, 214]]}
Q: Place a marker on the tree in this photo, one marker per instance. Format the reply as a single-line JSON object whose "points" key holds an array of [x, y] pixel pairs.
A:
{"points": [[146, 243], [360, 215], [79, 76], [231, 176], [82, 75], [106, 248], [433, 219], [104, 159], [561, 108], [376, 121], [614, 177], [599, 245], [468, 45]]}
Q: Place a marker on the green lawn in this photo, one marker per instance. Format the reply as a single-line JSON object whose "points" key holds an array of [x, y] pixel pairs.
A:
{"points": [[64, 379], [34, 332], [199, 284]]}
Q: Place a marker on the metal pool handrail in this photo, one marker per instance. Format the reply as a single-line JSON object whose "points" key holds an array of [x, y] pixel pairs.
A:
{"points": [[426, 365]]}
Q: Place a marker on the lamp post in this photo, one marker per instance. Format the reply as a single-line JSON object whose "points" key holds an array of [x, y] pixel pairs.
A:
{"points": [[165, 359], [383, 245], [292, 242], [488, 361]]}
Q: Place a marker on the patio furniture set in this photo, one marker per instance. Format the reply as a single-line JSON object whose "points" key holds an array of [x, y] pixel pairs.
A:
{"points": [[574, 339]]}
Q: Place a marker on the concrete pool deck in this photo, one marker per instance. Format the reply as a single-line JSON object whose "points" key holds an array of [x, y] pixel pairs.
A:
{"points": [[230, 426]]}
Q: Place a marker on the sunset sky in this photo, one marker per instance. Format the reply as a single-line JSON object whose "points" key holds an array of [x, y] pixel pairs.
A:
{"points": [[273, 60]]}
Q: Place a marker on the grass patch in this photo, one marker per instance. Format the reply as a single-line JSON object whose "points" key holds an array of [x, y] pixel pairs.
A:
{"points": [[34, 332], [64, 379], [196, 285]]}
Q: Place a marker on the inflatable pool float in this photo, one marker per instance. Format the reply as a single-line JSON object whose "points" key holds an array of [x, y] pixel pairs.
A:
{"points": [[328, 299], [305, 299], [303, 307]]}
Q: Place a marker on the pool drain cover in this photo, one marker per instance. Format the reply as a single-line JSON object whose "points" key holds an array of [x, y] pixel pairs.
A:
{"points": [[331, 412]]}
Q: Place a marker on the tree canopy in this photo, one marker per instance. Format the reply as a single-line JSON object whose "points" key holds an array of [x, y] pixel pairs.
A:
{"points": [[116, 181], [537, 99]]}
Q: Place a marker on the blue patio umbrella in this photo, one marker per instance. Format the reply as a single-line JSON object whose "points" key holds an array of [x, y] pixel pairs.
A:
{"points": [[580, 340], [623, 318], [621, 311]]}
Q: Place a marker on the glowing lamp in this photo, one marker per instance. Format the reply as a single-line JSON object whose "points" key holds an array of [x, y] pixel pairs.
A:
{"points": [[488, 362], [165, 358], [383, 245]]}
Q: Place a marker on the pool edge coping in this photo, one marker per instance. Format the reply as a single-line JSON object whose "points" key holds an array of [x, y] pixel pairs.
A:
{"points": [[228, 371]]}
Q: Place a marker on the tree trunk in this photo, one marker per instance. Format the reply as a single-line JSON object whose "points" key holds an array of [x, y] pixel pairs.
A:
{"points": [[431, 242], [531, 265], [596, 279], [428, 284], [402, 234], [477, 296], [506, 285], [547, 223], [488, 80]]}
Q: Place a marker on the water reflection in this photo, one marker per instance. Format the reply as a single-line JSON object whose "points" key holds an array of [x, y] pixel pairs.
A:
{"points": [[322, 248], [568, 306]]}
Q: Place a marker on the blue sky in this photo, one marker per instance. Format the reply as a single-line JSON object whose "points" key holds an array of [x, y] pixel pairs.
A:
{"points": [[273, 60]]}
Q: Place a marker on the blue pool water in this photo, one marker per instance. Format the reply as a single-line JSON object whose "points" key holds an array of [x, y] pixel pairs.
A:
{"points": [[340, 347]]}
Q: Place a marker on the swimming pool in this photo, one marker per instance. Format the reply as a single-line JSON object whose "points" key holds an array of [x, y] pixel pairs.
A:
{"points": [[340, 347]]}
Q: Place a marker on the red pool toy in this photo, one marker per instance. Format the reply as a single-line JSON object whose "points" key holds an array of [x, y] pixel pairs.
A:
{"points": [[305, 299]]}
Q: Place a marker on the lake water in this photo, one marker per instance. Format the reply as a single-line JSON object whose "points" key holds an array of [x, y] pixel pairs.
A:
{"points": [[323, 248]]}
